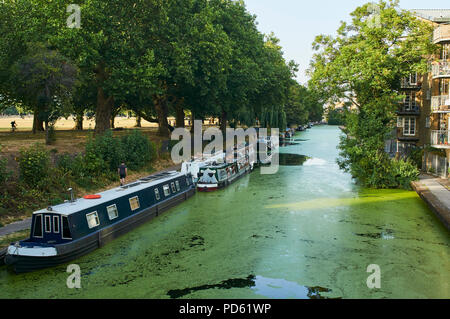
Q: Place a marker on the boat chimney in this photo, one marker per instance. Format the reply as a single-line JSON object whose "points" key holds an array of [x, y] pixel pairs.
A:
{"points": [[71, 195]]}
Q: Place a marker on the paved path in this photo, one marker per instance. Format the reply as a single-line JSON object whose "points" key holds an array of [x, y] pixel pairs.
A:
{"points": [[15, 227], [26, 223], [436, 196]]}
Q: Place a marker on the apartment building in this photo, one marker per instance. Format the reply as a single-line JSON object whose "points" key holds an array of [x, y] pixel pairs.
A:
{"points": [[423, 116]]}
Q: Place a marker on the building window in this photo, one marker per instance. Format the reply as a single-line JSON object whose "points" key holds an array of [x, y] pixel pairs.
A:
{"points": [[134, 203], [166, 190], [56, 224], [48, 227], [157, 196], [37, 232], [113, 213], [409, 128], [177, 183], [65, 228], [410, 101], [92, 220], [413, 79], [174, 190]]}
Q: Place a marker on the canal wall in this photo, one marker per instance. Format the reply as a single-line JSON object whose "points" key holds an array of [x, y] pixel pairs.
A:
{"points": [[436, 196]]}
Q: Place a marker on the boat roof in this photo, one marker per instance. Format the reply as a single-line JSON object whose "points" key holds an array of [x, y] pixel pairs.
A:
{"points": [[80, 204]]}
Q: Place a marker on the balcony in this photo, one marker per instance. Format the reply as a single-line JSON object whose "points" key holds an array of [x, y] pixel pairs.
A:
{"points": [[441, 34], [441, 69], [408, 109], [440, 104], [440, 139], [407, 84]]}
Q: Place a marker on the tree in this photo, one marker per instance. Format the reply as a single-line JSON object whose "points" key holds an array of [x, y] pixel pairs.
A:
{"points": [[363, 66], [44, 80]]}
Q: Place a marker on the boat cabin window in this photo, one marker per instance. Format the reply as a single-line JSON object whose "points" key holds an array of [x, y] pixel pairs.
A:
{"points": [[187, 181], [56, 224], [92, 220], [177, 183], [166, 190], [113, 213], [222, 174], [174, 190], [48, 226], [134, 203], [158, 197], [37, 231], [65, 228]]}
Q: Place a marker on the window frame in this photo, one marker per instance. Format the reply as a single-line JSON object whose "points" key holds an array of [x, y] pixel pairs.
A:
{"points": [[407, 126], [172, 186], [177, 184], [56, 218], [157, 194], [166, 187], [62, 227], [98, 219], [42, 226], [138, 203], [116, 210], [49, 224]]}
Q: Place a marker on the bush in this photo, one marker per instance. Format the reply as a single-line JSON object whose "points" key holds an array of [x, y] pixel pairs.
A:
{"points": [[34, 165], [104, 148], [138, 150]]}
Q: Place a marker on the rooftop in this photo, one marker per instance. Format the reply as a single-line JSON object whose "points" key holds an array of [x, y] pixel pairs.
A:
{"points": [[80, 204], [434, 15]]}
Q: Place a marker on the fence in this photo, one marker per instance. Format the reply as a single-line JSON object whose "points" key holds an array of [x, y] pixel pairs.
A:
{"points": [[435, 164]]}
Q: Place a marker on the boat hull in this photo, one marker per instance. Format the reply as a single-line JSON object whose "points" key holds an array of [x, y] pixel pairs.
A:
{"points": [[220, 185], [81, 247]]}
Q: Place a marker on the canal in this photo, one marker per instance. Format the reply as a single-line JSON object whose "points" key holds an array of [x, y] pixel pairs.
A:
{"points": [[307, 232]]}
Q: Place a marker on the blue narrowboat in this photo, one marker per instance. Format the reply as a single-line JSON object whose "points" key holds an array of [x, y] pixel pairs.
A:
{"points": [[77, 227]]}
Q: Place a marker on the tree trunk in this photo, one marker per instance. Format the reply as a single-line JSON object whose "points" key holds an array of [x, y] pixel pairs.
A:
{"points": [[138, 121], [79, 121], [180, 115], [162, 113], [38, 125], [103, 112], [47, 137], [192, 121], [113, 117], [223, 122]]}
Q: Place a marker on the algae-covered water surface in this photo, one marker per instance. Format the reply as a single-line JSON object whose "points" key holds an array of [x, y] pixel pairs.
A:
{"points": [[306, 232]]}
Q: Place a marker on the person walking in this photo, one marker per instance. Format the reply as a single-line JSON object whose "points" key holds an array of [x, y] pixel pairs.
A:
{"points": [[13, 126], [122, 170]]}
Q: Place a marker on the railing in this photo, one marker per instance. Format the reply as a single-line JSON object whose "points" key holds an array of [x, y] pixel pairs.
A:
{"points": [[440, 138], [408, 108], [441, 69], [438, 101], [441, 33], [406, 84]]}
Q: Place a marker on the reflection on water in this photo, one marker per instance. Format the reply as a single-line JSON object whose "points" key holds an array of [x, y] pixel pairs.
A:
{"points": [[283, 289], [308, 226]]}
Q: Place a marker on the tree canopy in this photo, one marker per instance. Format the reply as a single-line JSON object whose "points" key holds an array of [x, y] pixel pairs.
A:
{"points": [[156, 58], [363, 66]]}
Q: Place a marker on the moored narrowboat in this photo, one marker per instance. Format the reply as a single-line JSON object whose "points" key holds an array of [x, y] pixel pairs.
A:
{"points": [[67, 231], [220, 174]]}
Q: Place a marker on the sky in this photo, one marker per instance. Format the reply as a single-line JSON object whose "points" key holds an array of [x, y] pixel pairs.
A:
{"points": [[297, 22]]}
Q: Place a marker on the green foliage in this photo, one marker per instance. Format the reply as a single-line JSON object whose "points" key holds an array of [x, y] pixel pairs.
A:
{"points": [[138, 150], [363, 67], [336, 117], [34, 165], [4, 174]]}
